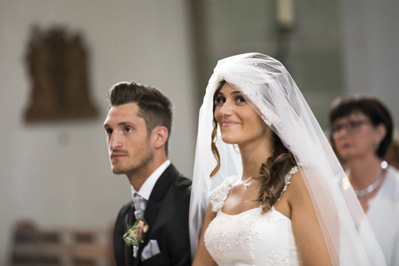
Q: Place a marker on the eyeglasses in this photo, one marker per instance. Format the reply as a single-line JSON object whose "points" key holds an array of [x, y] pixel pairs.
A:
{"points": [[351, 127]]}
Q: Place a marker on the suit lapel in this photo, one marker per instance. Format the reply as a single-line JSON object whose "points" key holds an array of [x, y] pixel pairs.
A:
{"points": [[158, 193], [129, 221]]}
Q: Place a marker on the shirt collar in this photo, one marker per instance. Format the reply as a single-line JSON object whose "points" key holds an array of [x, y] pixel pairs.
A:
{"points": [[149, 183]]}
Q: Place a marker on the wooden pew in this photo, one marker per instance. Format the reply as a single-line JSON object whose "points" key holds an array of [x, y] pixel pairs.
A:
{"points": [[61, 246]]}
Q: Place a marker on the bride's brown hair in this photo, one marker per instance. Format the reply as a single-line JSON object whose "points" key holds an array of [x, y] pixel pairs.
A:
{"points": [[272, 172]]}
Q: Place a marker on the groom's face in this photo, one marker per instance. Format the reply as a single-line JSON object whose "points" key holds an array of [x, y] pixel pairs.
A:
{"points": [[129, 146]]}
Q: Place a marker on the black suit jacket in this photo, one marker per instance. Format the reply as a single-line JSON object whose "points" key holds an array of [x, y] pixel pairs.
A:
{"points": [[167, 216]]}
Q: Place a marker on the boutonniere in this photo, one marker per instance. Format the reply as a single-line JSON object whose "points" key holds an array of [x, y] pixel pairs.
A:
{"points": [[135, 234]]}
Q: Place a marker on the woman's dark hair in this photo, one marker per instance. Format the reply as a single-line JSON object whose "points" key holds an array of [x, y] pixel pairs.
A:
{"points": [[371, 107], [272, 172]]}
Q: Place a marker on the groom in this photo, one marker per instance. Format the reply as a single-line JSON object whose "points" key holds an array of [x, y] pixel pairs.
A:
{"points": [[138, 127]]}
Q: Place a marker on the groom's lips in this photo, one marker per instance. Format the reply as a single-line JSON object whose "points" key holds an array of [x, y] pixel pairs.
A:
{"points": [[117, 155]]}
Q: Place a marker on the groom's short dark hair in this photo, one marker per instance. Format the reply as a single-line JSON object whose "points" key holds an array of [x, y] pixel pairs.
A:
{"points": [[155, 107]]}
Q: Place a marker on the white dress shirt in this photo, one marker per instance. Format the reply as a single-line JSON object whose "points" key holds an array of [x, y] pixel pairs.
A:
{"points": [[148, 185]]}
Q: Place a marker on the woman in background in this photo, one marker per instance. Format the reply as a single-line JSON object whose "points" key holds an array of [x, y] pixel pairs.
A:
{"points": [[361, 131], [279, 195]]}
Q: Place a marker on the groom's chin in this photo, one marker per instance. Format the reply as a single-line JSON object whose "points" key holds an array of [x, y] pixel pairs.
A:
{"points": [[117, 170]]}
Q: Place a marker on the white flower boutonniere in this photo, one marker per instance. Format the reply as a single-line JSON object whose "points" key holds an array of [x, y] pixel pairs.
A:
{"points": [[135, 234]]}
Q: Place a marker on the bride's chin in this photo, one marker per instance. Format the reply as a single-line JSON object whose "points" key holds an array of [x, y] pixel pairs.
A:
{"points": [[229, 140]]}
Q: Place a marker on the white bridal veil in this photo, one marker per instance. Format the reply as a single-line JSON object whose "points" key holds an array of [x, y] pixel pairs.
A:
{"points": [[271, 91]]}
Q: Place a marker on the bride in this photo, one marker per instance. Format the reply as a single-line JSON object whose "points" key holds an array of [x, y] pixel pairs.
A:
{"points": [[279, 195]]}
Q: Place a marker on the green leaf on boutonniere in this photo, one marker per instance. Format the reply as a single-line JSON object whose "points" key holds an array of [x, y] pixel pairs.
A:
{"points": [[136, 234]]}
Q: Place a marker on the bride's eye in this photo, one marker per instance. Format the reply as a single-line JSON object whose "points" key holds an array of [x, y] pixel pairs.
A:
{"points": [[240, 99], [220, 100]]}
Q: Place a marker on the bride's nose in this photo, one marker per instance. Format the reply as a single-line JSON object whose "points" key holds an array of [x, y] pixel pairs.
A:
{"points": [[227, 108]]}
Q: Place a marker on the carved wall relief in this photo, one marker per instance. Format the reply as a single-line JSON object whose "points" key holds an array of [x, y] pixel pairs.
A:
{"points": [[57, 64]]}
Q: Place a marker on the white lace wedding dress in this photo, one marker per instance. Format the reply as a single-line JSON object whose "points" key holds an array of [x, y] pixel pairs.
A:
{"points": [[249, 238]]}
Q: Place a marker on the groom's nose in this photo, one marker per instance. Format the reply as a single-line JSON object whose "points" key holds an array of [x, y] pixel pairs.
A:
{"points": [[115, 140]]}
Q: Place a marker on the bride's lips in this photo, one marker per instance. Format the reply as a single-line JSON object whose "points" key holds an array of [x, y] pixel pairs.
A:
{"points": [[229, 123]]}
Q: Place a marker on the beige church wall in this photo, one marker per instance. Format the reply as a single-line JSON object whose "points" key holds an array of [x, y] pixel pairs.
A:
{"points": [[58, 173]]}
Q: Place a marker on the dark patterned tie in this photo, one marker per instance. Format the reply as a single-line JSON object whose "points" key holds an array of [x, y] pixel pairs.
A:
{"points": [[139, 205]]}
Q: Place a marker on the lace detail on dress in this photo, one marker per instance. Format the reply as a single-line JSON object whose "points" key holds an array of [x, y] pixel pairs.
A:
{"points": [[219, 194], [288, 179], [251, 238], [247, 233], [282, 258], [220, 243]]}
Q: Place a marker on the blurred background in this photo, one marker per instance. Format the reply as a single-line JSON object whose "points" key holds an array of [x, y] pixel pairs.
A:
{"points": [[55, 173]]}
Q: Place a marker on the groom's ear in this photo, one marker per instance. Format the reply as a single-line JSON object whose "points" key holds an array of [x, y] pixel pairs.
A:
{"points": [[159, 136]]}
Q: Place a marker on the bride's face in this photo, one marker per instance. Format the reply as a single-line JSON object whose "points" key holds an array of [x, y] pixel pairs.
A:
{"points": [[239, 123]]}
